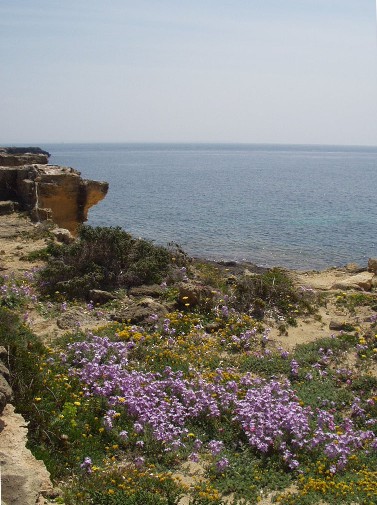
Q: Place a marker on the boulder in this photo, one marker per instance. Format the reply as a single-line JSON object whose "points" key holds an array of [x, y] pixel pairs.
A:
{"points": [[73, 318], [63, 235], [353, 268], [341, 326], [8, 207], [100, 296], [372, 265], [154, 290], [361, 281], [192, 294], [140, 312]]}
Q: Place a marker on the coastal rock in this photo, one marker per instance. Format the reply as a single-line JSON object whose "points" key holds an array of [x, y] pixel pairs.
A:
{"points": [[17, 160], [63, 235], [361, 281], [154, 290], [66, 196], [136, 313], [372, 265], [353, 268], [5, 393], [8, 207], [192, 294], [23, 150], [99, 296], [48, 191], [73, 318], [24, 479], [340, 326]]}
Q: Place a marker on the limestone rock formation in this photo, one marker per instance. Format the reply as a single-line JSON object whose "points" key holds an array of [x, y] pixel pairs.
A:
{"points": [[359, 281], [48, 191], [12, 157], [25, 480]]}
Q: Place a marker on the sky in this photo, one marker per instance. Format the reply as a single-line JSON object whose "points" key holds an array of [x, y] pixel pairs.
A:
{"points": [[237, 71]]}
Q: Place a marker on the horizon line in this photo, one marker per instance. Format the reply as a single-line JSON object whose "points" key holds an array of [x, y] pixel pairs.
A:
{"points": [[139, 142]]}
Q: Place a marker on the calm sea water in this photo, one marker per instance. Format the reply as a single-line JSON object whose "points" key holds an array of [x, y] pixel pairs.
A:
{"points": [[296, 206]]}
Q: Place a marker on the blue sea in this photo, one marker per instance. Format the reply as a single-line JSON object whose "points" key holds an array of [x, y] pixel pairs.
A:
{"points": [[296, 206]]}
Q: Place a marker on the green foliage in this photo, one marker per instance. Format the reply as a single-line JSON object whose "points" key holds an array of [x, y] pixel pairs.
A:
{"points": [[352, 300], [365, 384], [264, 365], [270, 290], [323, 393], [307, 354], [23, 347], [39, 254], [103, 258], [211, 275], [247, 475], [124, 486]]}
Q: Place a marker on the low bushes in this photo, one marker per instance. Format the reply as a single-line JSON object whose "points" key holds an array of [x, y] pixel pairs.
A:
{"points": [[103, 258], [272, 290]]}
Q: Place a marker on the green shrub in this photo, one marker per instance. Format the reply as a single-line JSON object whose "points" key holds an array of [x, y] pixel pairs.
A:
{"points": [[39, 254], [307, 354], [103, 258], [319, 393], [270, 290], [265, 366], [24, 350]]}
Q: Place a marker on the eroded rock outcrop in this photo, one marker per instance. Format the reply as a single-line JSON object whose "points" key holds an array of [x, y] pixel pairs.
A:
{"points": [[361, 281], [48, 191], [25, 480], [17, 156], [5, 389]]}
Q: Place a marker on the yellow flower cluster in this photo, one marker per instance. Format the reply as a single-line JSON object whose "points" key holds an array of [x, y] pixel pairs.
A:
{"points": [[206, 492]]}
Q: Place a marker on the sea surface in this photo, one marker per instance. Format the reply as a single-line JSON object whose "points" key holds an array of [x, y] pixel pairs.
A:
{"points": [[297, 206]]}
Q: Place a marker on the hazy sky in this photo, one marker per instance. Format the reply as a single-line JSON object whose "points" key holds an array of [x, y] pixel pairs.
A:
{"points": [[280, 71]]}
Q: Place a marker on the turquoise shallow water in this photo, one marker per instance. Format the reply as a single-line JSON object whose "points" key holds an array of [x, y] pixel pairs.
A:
{"points": [[294, 206]]}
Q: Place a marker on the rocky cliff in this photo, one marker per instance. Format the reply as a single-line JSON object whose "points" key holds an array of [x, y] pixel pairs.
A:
{"points": [[47, 191]]}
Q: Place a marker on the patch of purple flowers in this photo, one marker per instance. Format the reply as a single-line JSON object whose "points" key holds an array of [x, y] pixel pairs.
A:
{"points": [[267, 411]]}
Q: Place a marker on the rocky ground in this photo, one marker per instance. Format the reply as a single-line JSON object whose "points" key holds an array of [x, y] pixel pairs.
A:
{"points": [[24, 479]]}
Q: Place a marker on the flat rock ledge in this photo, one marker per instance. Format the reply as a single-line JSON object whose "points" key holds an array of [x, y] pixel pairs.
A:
{"points": [[340, 278], [361, 281]]}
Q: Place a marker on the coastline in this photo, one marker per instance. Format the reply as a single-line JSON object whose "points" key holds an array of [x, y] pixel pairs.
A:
{"points": [[268, 205]]}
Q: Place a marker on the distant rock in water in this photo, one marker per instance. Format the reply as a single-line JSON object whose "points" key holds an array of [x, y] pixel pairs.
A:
{"points": [[47, 191]]}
